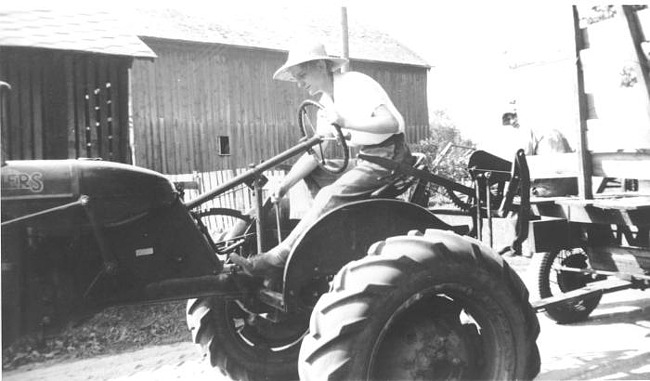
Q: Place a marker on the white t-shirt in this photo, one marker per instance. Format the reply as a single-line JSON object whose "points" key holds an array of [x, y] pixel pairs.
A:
{"points": [[356, 95]]}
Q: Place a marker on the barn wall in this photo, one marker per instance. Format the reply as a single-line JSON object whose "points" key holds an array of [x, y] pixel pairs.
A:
{"points": [[64, 105], [193, 93], [407, 87]]}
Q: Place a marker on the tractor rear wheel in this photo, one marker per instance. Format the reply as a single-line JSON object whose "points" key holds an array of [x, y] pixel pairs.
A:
{"points": [[433, 306]]}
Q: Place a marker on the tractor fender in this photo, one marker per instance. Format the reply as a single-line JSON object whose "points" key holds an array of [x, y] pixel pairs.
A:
{"points": [[345, 234]]}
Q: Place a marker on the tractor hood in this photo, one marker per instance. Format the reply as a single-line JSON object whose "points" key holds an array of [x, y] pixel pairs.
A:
{"points": [[116, 192]]}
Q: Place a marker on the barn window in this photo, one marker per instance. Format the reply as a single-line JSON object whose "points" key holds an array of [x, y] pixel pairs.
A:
{"points": [[224, 145]]}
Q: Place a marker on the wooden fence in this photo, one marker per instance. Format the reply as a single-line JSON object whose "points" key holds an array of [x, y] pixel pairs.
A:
{"points": [[239, 198]]}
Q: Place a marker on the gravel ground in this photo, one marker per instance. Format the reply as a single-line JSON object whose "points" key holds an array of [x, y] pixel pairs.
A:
{"points": [[614, 343]]}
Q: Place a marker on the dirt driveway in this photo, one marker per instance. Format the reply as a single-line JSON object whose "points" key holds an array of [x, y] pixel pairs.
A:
{"points": [[613, 344]]}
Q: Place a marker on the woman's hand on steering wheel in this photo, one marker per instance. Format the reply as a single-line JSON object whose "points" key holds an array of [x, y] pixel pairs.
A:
{"points": [[308, 113], [334, 118]]}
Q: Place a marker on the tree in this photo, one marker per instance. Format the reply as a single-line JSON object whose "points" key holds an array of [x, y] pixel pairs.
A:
{"points": [[597, 13], [442, 132]]}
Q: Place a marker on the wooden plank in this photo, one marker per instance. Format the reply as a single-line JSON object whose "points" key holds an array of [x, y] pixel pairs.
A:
{"points": [[622, 165], [192, 143], [202, 138], [37, 110], [595, 211], [146, 112], [113, 125], [24, 92], [201, 81], [79, 88], [195, 112], [180, 142], [175, 112], [210, 89], [157, 131], [14, 135], [629, 165], [89, 117], [141, 109], [182, 123], [122, 123], [623, 203], [165, 88], [584, 161], [100, 109], [4, 115], [624, 259], [71, 105], [594, 288], [153, 105]]}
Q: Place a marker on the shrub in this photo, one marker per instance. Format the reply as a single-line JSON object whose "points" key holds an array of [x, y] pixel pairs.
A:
{"points": [[449, 162]]}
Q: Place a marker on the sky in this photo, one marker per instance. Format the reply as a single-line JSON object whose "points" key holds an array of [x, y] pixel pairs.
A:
{"points": [[471, 46]]}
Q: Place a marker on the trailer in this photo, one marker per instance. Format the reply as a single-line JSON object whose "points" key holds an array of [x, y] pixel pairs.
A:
{"points": [[598, 240]]}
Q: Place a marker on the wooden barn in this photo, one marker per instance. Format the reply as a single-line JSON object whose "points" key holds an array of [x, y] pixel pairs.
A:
{"points": [[69, 78], [187, 96], [208, 102]]}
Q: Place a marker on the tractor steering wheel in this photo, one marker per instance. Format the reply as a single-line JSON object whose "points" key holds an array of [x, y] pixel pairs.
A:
{"points": [[307, 121]]}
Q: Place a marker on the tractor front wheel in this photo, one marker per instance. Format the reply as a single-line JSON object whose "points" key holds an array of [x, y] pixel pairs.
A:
{"points": [[433, 306], [242, 345]]}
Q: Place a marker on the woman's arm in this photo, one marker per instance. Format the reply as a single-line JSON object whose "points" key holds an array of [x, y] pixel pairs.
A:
{"points": [[303, 167], [382, 121]]}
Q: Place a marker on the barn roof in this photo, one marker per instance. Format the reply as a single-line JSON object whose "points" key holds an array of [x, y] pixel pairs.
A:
{"points": [[273, 28], [68, 29]]}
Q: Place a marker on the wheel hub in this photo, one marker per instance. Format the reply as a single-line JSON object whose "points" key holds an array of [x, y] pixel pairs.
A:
{"points": [[428, 346]]}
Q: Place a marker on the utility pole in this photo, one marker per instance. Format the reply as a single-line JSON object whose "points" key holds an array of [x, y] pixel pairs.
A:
{"points": [[345, 39]]}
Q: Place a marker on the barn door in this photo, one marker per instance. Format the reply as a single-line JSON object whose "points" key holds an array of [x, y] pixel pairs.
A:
{"points": [[100, 94], [65, 105]]}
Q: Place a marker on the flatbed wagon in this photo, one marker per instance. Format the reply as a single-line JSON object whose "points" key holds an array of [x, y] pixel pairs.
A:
{"points": [[598, 240]]}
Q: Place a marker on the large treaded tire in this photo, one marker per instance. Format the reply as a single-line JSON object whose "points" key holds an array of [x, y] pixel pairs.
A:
{"points": [[409, 279], [241, 350], [243, 347], [552, 282]]}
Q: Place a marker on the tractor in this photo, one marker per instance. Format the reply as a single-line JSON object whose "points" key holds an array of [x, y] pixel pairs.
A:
{"points": [[377, 288]]}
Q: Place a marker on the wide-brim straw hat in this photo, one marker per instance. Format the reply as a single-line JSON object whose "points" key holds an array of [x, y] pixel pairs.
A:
{"points": [[305, 52]]}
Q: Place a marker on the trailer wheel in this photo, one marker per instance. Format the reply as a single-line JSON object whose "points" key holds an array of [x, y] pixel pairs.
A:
{"points": [[438, 306], [243, 348], [552, 281]]}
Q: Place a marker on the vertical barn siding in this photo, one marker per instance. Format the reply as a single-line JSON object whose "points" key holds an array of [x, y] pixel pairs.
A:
{"points": [[407, 87], [194, 92], [65, 105]]}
